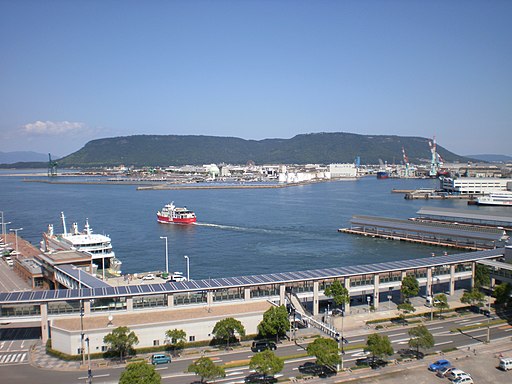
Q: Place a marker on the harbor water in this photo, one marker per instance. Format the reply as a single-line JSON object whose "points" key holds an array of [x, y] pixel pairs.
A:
{"points": [[239, 231]]}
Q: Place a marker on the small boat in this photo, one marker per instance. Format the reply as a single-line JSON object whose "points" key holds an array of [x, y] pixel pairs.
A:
{"points": [[172, 214]]}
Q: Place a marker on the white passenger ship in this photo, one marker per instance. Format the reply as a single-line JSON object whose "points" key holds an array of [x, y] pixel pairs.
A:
{"points": [[96, 245], [496, 198]]}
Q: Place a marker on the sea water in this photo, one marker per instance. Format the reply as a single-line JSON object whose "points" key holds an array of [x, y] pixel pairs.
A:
{"points": [[239, 231]]}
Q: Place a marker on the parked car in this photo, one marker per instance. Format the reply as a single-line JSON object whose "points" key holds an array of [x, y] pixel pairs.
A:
{"points": [[314, 369], [411, 354], [463, 380], [505, 363], [149, 276], [160, 358], [444, 372], [327, 371], [259, 378], [457, 373], [439, 364], [373, 362], [263, 345], [310, 368]]}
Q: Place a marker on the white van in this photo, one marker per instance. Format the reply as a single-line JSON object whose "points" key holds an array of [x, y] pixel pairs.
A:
{"points": [[505, 363], [9, 261], [430, 301]]}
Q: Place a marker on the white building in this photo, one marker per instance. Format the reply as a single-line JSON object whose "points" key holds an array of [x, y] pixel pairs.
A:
{"points": [[150, 327], [475, 185], [342, 170]]}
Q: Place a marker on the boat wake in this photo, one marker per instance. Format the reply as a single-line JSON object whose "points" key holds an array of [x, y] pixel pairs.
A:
{"points": [[267, 231], [234, 228]]}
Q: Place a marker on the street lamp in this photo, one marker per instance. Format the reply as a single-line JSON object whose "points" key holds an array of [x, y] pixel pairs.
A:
{"points": [[488, 321], [368, 299], [3, 227], [166, 254], [389, 302], [82, 352], [89, 370], [15, 230], [188, 267]]}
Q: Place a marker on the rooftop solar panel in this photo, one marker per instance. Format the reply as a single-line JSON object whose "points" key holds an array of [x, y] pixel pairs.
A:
{"points": [[38, 295], [274, 278], [144, 288], [122, 290]]}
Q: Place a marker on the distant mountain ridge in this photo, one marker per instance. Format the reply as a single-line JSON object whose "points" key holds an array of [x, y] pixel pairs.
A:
{"points": [[492, 158], [320, 148], [19, 156]]}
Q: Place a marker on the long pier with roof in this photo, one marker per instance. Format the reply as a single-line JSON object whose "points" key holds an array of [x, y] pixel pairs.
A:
{"points": [[426, 232], [467, 216]]}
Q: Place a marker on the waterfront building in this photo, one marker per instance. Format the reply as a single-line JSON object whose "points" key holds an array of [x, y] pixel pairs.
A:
{"points": [[196, 305], [342, 170], [475, 185]]}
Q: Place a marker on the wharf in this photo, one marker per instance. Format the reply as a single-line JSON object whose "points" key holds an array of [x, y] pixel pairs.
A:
{"points": [[409, 238], [440, 234]]}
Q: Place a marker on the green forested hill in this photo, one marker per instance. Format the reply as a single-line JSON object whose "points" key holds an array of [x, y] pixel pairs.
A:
{"points": [[323, 148]]}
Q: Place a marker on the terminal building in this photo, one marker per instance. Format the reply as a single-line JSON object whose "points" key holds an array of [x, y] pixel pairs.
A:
{"points": [[475, 185], [92, 308]]}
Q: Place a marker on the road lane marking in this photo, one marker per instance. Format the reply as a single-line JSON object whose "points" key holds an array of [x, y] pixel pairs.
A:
{"points": [[397, 334], [444, 342]]}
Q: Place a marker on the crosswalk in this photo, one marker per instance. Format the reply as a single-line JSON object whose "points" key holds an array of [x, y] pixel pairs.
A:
{"points": [[13, 358]]}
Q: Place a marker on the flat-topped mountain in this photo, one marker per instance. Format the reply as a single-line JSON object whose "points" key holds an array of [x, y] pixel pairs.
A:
{"points": [[322, 148]]}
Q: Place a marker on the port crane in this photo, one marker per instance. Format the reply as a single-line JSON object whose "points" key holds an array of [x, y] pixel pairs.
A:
{"points": [[406, 162], [436, 161], [52, 166]]}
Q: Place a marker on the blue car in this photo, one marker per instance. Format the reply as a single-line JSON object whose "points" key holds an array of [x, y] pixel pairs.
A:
{"points": [[439, 364]]}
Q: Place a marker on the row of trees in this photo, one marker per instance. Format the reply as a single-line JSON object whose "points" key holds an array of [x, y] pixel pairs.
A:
{"points": [[274, 324]]}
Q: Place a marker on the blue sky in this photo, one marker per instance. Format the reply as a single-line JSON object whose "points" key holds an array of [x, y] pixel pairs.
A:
{"points": [[73, 71]]}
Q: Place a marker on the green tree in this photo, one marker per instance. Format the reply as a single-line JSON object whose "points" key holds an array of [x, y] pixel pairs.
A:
{"points": [[473, 297], [206, 369], [225, 329], [502, 294], [176, 339], [420, 338], [275, 322], [338, 292], [482, 276], [441, 302], [410, 287], [266, 362], [378, 345], [325, 350], [121, 341], [140, 373]]}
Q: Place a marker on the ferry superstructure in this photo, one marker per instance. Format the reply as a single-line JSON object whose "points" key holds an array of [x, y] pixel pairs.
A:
{"points": [[99, 247], [496, 198]]}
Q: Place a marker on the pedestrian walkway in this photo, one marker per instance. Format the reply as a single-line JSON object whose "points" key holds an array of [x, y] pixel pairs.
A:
{"points": [[13, 358], [40, 359]]}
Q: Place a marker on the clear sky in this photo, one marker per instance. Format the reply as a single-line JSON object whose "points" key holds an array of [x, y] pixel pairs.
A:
{"points": [[76, 70]]}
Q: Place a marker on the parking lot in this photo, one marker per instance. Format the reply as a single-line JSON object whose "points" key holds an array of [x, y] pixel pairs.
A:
{"points": [[481, 363]]}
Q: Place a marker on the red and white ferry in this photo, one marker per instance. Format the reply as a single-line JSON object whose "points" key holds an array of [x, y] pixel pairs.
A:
{"points": [[172, 214]]}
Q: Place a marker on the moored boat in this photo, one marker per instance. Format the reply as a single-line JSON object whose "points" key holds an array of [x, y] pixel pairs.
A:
{"points": [[382, 175], [98, 246], [172, 214], [496, 198]]}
